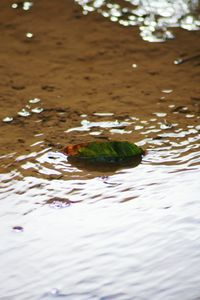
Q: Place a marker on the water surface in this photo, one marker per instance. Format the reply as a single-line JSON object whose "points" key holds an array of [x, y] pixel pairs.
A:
{"points": [[154, 18], [85, 234], [81, 233]]}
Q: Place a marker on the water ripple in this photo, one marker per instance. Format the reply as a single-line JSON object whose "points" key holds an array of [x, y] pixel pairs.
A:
{"points": [[139, 226]]}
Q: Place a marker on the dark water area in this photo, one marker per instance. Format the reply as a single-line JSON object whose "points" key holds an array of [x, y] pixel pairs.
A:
{"points": [[71, 231]]}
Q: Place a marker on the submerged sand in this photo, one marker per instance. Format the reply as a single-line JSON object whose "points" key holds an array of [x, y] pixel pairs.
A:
{"points": [[78, 65]]}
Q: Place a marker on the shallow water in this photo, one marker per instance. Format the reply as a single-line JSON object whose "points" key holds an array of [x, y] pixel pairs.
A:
{"points": [[88, 234], [154, 18], [91, 233]]}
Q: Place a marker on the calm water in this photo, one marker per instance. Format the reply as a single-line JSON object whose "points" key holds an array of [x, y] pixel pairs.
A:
{"points": [[123, 234]]}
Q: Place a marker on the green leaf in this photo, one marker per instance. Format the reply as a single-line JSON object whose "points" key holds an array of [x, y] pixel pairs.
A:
{"points": [[117, 151]]}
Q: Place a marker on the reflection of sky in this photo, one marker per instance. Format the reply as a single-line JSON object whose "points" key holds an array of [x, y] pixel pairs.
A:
{"points": [[147, 247], [154, 18], [64, 228]]}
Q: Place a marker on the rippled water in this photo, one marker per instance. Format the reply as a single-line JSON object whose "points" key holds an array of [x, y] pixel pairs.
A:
{"points": [[154, 18], [89, 234], [76, 232]]}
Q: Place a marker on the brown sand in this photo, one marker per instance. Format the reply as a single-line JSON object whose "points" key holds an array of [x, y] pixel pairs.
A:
{"points": [[83, 64]]}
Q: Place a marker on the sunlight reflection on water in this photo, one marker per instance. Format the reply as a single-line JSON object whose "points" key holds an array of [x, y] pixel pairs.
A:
{"points": [[154, 18], [89, 234]]}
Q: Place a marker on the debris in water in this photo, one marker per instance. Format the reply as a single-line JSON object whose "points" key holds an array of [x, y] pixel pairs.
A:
{"points": [[104, 152], [179, 61]]}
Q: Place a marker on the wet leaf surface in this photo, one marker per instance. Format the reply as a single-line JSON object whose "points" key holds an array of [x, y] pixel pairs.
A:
{"points": [[114, 152]]}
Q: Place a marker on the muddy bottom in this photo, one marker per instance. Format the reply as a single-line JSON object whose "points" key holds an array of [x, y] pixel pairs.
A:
{"points": [[96, 233]]}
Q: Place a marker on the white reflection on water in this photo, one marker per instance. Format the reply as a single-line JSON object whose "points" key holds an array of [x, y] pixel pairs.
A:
{"points": [[86, 125], [141, 249], [154, 18], [131, 233]]}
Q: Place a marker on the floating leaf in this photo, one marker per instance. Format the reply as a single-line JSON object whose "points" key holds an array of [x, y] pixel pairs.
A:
{"points": [[104, 152]]}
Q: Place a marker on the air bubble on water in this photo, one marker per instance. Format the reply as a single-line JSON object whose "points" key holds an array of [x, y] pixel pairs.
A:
{"points": [[7, 119], [24, 113]]}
